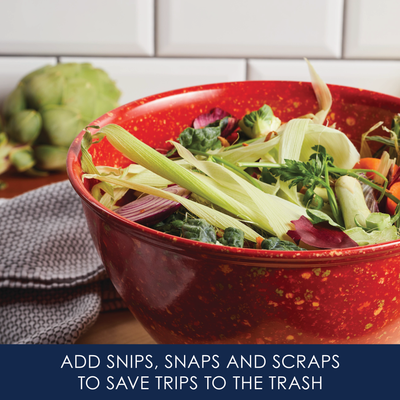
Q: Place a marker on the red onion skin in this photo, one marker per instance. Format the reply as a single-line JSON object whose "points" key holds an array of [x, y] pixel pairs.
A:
{"points": [[208, 118], [159, 214]]}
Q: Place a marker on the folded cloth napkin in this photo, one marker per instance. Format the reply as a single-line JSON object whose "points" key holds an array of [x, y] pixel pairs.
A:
{"points": [[52, 282]]}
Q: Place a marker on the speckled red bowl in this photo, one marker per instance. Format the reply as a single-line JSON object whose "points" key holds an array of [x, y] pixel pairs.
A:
{"points": [[184, 291]]}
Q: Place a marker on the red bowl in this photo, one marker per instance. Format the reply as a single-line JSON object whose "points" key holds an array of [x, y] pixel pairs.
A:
{"points": [[184, 291]]}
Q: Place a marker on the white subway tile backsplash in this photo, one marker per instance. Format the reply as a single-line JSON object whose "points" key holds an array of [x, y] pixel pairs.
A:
{"points": [[151, 46], [379, 76], [372, 29], [76, 27], [140, 77], [251, 28], [12, 69]]}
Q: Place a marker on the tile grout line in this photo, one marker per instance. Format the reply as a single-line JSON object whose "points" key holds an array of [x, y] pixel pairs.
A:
{"points": [[343, 29], [216, 58], [155, 28]]}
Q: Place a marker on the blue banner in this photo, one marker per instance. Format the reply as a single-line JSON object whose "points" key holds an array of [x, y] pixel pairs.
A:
{"points": [[195, 371]]}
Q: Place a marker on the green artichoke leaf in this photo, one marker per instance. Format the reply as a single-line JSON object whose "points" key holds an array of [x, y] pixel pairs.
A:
{"points": [[50, 158], [34, 73], [101, 81], [68, 70], [14, 103], [24, 127], [44, 89], [5, 149], [61, 125], [81, 95], [22, 158]]}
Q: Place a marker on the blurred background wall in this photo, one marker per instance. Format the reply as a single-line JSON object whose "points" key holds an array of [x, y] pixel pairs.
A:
{"points": [[150, 46]]}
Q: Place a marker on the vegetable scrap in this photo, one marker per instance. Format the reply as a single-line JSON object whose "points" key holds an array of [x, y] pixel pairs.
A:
{"points": [[256, 182], [46, 111]]}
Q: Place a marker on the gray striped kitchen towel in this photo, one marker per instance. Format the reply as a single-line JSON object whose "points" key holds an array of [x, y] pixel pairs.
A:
{"points": [[52, 282]]}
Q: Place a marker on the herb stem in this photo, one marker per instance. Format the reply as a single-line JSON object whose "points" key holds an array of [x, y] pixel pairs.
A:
{"points": [[230, 165], [332, 198], [340, 171], [258, 164], [234, 146]]}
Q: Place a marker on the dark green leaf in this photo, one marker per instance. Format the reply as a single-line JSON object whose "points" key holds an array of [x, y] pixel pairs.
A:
{"points": [[172, 224], [233, 237], [200, 230], [200, 139], [267, 177], [273, 243]]}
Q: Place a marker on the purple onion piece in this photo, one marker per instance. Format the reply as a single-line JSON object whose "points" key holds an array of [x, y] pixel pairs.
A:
{"points": [[203, 120], [230, 126], [151, 209], [369, 196]]}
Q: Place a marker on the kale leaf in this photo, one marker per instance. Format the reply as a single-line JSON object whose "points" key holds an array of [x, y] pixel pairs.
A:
{"points": [[274, 243], [200, 230], [201, 139], [233, 237], [171, 225]]}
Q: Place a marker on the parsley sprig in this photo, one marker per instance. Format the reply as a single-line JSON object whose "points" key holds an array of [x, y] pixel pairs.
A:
{"points": [[310, 175], [320, 171]]}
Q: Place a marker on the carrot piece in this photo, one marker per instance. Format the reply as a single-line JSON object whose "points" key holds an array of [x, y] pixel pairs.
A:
{"points": [[368, 163], [391, 205], [259, 241]]}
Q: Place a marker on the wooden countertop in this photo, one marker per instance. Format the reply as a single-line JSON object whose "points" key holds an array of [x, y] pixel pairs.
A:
{"points": [[113, 327]]}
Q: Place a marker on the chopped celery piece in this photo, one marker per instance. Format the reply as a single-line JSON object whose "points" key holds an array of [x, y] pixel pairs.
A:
{"points": [[364, 238], [378, 221]]}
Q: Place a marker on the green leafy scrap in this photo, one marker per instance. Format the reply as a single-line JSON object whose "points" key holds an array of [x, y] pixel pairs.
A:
{"points": [[274, 243], [233, 237], [310, 175], [200, 230], [171, 225], [259, 122], [201, 139]]}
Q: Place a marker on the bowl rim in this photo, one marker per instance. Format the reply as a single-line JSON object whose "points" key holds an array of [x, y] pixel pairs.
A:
{"points": [[73, 166]]}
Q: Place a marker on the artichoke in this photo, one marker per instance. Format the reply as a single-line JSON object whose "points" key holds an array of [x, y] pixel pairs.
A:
{"points": [[24, 126], [47, 110]]}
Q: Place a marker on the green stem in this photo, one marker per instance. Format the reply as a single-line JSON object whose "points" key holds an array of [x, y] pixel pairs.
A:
{"points": [[258, 164], [340, 171], [234, 146], [332, 198], [171, 152], [229, 165]]}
